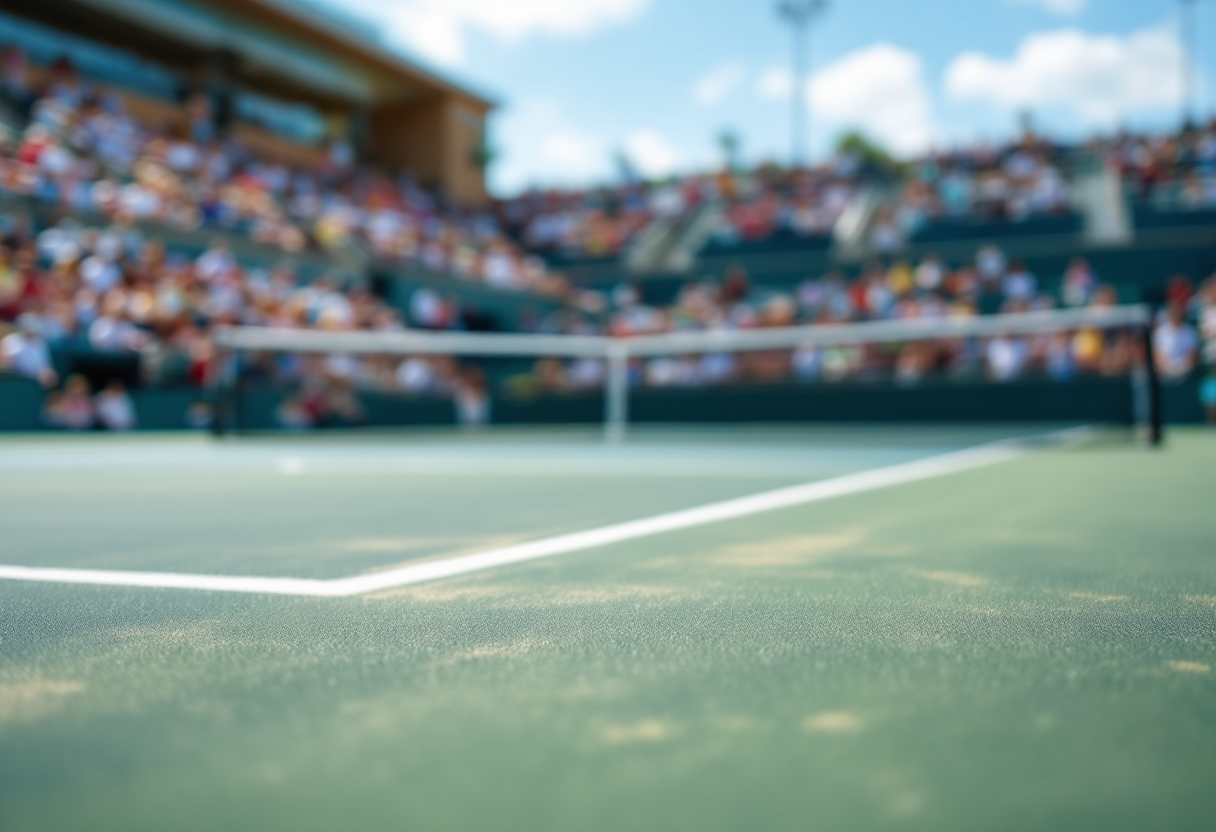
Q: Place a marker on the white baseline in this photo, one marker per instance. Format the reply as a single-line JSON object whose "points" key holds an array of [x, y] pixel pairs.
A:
{"points": [[924, 469]]}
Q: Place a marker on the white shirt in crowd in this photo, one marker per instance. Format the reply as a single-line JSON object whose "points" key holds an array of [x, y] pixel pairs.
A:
{"points": [[1019, 285], [1176, 345], [114, 409], [1007, 357], [415, 375], [101, 274], [26, 354], [109, 334], [472, 408], [991, 262]]}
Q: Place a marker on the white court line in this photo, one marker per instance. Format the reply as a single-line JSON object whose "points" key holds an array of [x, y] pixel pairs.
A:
{"points": [[814, 492]]}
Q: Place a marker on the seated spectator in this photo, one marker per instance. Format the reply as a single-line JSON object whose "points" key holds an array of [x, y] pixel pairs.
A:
{"points": [[71, 409], [1007, 358], [472, 399], [930, 274], [1175, 344], [1060, 359], [417, 375], [1019, 284], [294, 414], [586, 374], [1079, 282], [114, 408], [1179, 291], [991, 264], [25, 353], [112, 331]]}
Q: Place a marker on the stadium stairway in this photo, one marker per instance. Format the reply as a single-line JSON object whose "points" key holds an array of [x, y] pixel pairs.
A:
{"points": [[670, 245], [1098, 195]]}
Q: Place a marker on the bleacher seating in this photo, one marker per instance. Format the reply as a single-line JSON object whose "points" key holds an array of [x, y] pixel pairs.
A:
{"points": [[967, 229]]}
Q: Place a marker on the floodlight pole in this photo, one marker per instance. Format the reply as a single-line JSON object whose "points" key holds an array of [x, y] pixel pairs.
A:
{"points": [[1189, 37], [798, 15]]}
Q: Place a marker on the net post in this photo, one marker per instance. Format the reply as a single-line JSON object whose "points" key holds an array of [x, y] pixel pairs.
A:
{"points": [[232, 372], [1152, 381], [219, 391], [616, 394]]}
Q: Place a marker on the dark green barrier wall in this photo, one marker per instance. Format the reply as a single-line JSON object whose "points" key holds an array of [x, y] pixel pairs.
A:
{"points": [[165, 409], [1096, 400], [1090, 400], [256, 410], [20, 404], [1137, 269]]}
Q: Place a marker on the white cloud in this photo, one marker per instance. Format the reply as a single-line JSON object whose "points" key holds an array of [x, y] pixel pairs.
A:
{"points": [[774, 82], [572, 154], [718, 83], [1063, 8], [651, 154], [1098, 79], [879, 90], [437, 28], [542, 147]]}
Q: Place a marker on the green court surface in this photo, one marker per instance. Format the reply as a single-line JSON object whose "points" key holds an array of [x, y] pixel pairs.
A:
{"points": [[1028, 644]]}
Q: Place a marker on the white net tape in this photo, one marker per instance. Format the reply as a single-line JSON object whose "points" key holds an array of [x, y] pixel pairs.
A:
{"points": [[720, 340], [617, 352]]}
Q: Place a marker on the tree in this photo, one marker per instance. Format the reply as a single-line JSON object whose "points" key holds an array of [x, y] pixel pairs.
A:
{"points": [[730, 143], [483, 154], [872, 156], [625, 168]]}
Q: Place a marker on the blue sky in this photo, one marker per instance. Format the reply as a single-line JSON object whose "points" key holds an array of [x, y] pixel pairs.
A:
{"points": [[583, 80]]}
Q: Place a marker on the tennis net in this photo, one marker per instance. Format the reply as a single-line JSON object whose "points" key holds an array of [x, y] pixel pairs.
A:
{"points": [[1088, 364]]}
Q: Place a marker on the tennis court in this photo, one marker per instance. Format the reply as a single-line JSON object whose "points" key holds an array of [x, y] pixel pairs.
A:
{"points": [[812, 628]]}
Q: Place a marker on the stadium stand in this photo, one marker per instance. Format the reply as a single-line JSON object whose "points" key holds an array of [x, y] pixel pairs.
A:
{"points": [[82, 151], [143, 207]]}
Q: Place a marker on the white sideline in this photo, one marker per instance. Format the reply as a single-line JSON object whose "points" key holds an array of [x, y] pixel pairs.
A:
{"points": [[924, 469]]}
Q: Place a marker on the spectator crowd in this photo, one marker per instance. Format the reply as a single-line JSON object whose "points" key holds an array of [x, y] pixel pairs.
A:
{"points": [[771, 202], [976, 184], [592, 224], [929, 289], [1171, 171], [83, 152], [111, 288], [981, 183], [113, 291]]}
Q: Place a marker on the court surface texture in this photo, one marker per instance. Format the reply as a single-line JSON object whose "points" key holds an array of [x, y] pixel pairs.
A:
{"points": [[837, 628]]}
